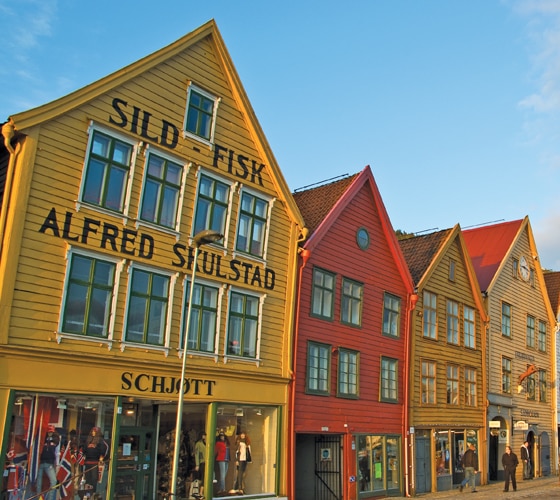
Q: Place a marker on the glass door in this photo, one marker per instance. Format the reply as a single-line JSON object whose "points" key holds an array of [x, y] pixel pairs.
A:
{"points": [[135, 464]]}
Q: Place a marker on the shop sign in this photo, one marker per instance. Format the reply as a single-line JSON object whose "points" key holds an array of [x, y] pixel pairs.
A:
{"points": [[521, 425], [156, 384]]}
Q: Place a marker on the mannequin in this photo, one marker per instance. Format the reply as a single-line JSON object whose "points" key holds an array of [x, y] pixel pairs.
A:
{"points": [[242, 458]]}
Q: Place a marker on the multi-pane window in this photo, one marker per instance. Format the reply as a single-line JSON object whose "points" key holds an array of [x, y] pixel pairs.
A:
{"points": [[318, 368], [506, 375], [391, 315], [542, 386], [452, 385], [107, 171], [162, 188], [347, 373], [531, 387], [468, 327], [89, 295], [211, 205], [428, 390], [351, 302], [452, 266], [452, 322], [204, 313], [322, 296], [251, 231], [470, 387], [147, 308], [506, 319], [530, 331], [430, 315], [389, 379], [243, 325], [542, 336], [201, 112]]}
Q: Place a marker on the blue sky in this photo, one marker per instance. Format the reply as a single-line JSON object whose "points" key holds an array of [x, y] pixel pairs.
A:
{"points": [[455, 104]]}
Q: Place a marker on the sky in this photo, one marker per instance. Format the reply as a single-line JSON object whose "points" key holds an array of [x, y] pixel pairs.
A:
{"points": [[454, 104]]}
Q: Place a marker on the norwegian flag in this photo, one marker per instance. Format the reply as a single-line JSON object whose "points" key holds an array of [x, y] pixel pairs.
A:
{"points": [[80, 458], [64, 475]]}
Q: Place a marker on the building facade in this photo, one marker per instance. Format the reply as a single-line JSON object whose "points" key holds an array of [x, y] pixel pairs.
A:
{"points": [[104, 193], [351, 345]]}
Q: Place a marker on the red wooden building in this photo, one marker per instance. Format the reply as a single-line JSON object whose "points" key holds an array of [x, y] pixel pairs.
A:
{"points": [[355, 295]]}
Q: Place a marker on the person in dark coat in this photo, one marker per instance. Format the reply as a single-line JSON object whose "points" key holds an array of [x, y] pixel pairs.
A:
{"points": [[509, 461], [470, 464], [526, 459]]}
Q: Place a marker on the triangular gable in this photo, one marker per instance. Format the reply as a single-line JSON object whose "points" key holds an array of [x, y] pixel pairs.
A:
{"points": [[325, 212], [489, 246], [82, 96]]}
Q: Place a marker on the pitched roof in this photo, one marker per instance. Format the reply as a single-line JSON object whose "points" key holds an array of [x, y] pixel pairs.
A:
{"points": [[552, 280], [316, 203], [419, 251], [488, 247]]}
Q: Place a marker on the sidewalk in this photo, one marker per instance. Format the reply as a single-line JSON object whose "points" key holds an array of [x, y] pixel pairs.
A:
{"points": [[545, 488]]}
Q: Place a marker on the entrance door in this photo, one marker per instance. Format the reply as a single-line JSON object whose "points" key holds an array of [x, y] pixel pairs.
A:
{"points": [[135, 464], [422, 465]]}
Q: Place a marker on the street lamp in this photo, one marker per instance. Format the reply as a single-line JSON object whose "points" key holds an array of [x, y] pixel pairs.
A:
{"points": [[202, 238]]}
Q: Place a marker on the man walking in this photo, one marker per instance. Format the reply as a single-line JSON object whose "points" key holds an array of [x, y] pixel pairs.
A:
{"points": [[470, 464], [526, 459]]}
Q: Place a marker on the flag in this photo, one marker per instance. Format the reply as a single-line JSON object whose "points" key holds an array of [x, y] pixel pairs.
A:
{"points": [[80, 458], [64, 475], [35, 448]]}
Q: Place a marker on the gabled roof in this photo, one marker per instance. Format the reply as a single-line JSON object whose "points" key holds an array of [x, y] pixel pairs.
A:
{"points": [[488, 247], [420, 252], [552, 280], [322, 206]]}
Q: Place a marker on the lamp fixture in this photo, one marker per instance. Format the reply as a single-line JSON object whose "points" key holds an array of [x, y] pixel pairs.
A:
{"points": [[258, 412], [61, 404], [18, 401], [239, 412]]}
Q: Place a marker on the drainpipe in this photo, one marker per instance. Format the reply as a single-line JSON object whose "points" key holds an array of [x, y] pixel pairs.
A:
{"points": [[412, 300], [305, 254]]}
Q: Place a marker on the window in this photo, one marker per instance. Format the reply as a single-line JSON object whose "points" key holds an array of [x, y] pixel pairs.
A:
{"points": [[530, 331], [147, 307], [89, 296], [389, 380], [243, 325], [107, 172], [506, 320], [452, 385], [542, 386], [204, 313], [362, 238], [162, 188], [430, 315], [201, 114], [531, 389], [428, 382], [391, 315], [452, 270], [470, 387], [318, 368], [468, 327], [211, 205], [347, 373], [379, 466], [515, 268], [452, 322], [351, 302], [323, 294], [542, 336], [506, 375], [251, 231]]}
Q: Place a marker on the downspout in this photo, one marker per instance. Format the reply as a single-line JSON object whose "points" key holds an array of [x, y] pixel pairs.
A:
{"points": [[305, 254], [412, 300]]}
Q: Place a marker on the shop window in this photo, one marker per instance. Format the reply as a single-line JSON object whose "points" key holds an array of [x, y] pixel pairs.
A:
{"points": [[351, 302], [200, 117], [57, 440], [88, 300], [252, 225], [443, 453], [391, 315], [243, 325], [322, 295], [379, 466], [148, 304], [107, 172], [203, 321], [212, 205], [318, 368], [162, 192]]}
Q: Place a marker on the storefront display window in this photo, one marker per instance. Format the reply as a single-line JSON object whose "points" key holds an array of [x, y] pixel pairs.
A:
{"points": [[443, 454], [378, 463]]}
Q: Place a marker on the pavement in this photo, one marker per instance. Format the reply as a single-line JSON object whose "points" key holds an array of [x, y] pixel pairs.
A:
{"points": [[543, 487]]}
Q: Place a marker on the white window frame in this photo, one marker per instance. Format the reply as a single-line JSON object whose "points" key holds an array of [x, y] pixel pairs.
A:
{"points": [[192, 87]]}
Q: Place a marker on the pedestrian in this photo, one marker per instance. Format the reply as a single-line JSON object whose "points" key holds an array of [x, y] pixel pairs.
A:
{"points": [[526, 459], [470, 464], [509, 461]]}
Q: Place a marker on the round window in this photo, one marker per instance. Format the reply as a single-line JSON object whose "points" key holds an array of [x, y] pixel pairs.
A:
{"points": [[362, 238]]}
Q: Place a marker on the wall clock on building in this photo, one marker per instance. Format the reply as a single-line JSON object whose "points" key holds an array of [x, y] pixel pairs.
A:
{"points": [[524, 270]]}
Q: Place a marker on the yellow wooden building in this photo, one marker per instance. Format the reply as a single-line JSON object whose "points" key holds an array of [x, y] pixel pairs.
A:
{"points": [[103, 192]]}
